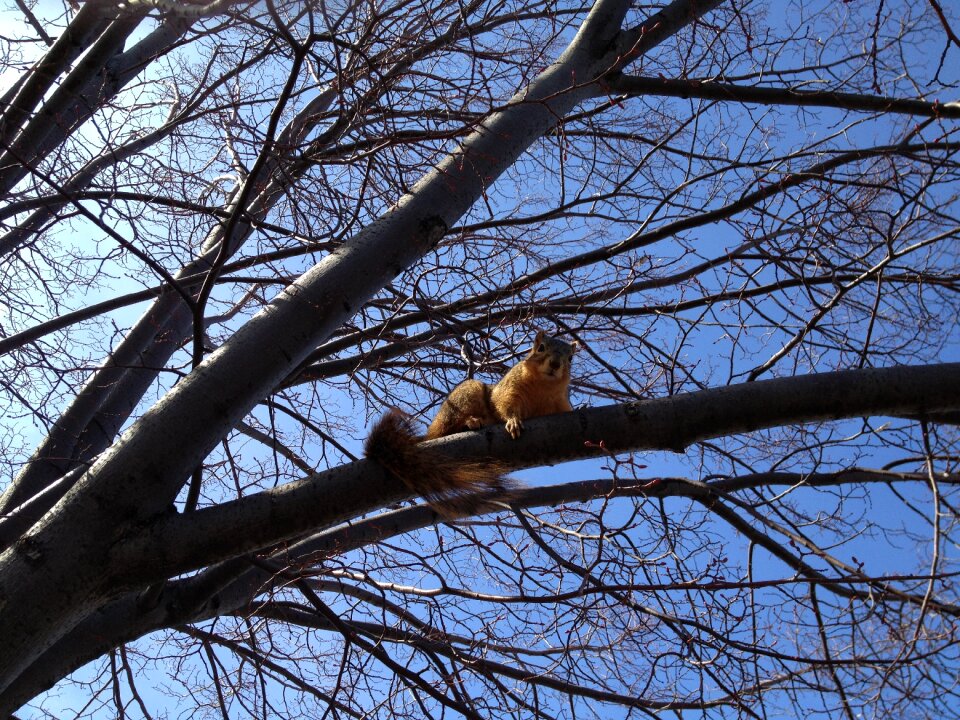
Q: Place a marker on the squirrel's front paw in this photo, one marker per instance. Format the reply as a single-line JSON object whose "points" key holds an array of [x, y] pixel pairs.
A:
{"points": [[514, 426]]}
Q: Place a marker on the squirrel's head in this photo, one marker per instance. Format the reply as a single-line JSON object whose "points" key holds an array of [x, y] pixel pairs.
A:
{"points": [[551, 357]]}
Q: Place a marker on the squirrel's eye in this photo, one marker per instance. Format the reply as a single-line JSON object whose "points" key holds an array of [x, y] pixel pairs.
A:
{"points": [[542, 348]]}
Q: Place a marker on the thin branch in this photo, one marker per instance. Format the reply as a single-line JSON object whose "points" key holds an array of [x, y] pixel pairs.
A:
{"points": [[711, 90]]}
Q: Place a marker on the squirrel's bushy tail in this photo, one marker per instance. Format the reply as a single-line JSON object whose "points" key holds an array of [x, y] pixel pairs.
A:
{"points": [[452, 486]]}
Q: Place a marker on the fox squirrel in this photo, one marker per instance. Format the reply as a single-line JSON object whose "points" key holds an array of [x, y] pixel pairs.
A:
{"points": [[537, 385]]}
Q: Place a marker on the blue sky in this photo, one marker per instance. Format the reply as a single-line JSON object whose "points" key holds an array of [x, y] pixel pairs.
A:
{"points": [[709, 351]]}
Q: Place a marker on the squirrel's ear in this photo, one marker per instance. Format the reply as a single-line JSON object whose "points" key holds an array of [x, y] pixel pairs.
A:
{"points": [[574, 346], [537, 340]]}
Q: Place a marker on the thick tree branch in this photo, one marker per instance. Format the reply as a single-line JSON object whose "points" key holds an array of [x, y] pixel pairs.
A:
{"points": [[180, 543]]}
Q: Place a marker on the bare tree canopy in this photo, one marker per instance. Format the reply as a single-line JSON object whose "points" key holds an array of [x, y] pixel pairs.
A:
{"points": [[234, 234]]}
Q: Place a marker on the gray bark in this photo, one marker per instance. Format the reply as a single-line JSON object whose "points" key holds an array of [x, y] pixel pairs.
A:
{"points": [[24, 96]]}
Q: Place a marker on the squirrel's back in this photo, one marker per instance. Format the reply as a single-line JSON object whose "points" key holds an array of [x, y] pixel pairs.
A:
{"points": [[467, 406]]}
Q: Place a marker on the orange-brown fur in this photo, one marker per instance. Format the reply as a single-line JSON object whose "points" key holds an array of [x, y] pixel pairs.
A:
{"points": [[537, 385]]}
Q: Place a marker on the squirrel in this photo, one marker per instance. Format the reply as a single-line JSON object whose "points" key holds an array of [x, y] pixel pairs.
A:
{"points": [[537, 385]]}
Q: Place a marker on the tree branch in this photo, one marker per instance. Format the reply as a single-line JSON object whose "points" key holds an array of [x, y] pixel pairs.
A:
{"points": [[711, 90], [180, 543]]}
